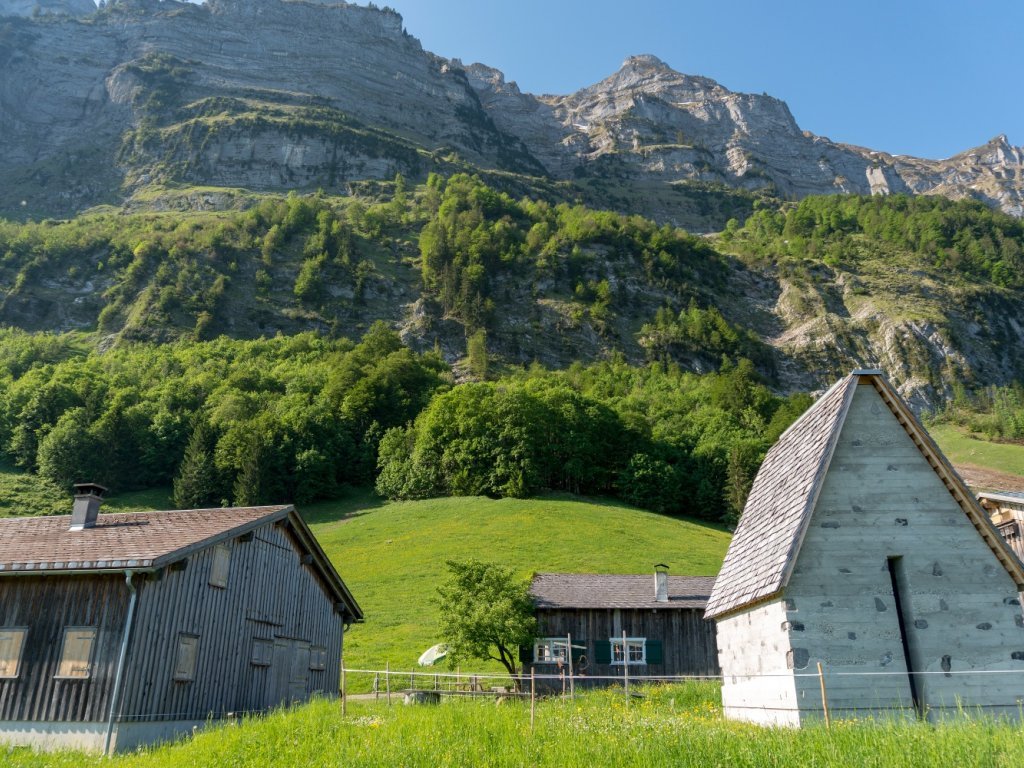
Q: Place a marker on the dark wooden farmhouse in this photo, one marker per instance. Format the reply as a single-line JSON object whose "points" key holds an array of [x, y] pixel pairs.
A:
{"points": [[653, 625], [123, 629]]}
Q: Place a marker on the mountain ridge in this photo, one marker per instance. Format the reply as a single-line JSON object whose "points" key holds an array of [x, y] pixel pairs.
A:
{"points": [[273, 95]]}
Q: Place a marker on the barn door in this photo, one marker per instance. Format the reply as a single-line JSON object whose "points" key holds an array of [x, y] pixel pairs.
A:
{"points": [[298, 682], [280, 673]]}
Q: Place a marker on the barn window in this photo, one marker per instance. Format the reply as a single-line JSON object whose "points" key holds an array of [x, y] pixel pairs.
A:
{"points": [[631, 651], [262, 652], [185, 661], [221, 566], [76, 652], [12, 641], [550, 650], [318, 658]]}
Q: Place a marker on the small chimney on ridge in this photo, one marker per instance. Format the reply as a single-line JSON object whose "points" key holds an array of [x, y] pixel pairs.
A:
{"points": [[661, 583], [88, 497]]}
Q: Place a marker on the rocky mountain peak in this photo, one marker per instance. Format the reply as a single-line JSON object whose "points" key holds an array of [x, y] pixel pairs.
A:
{"points": [[647, 73], [645, 61]]}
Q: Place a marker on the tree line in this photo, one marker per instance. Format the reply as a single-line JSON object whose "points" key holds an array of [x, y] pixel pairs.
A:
{"points": [[297, 418]]}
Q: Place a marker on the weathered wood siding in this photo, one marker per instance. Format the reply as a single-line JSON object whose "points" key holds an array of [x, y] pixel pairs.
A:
{"points": [[882, 500], [46, 605], [270, 595], [688, 641]]}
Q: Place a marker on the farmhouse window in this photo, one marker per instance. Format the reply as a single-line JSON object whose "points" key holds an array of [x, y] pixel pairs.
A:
{"points": [[221, 566], [185, 661], [631, 651], [550, 650], [12, 642], [262, 652], [318, 658], [76, 652]]}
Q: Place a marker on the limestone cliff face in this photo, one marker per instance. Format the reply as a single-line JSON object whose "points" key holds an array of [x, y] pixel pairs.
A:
{"points": [[42, 7], [656, 124], [264, 94], [286, 94]]}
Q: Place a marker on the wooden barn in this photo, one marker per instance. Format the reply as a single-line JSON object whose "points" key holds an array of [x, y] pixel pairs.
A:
{"points": [[652, 624], [1006, 509], [124, 629], [861, 548]]}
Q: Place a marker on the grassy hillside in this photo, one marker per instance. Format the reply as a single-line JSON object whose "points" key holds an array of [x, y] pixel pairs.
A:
{"points": [[393, 556], [670, 726], [995, 465]]}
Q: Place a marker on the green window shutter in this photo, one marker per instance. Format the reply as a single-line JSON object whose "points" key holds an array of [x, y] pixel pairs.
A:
{"points": [[654, 652], [525, 654], [602, 652]]}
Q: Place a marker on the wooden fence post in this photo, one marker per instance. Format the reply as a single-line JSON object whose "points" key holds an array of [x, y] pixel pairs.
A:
{"points": [[344, 696], [625, 666], [376, 686], [568, 651], [387, 680], [533, 696], [824, 698]]}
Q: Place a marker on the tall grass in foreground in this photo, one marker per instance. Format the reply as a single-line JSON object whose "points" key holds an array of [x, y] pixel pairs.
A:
{"points": [[678, 725]]}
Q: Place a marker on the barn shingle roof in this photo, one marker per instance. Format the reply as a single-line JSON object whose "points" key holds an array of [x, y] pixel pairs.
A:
{"points": [[763, 550], [147, 541], [585, 590], [780, 499], [120, 540]]}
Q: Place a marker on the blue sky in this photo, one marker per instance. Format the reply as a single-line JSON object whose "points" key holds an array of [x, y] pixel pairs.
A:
{"points": [[903, 76]]}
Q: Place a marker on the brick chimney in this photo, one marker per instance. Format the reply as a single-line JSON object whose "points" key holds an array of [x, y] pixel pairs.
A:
{"points": [[661, 583], [88, 497]]}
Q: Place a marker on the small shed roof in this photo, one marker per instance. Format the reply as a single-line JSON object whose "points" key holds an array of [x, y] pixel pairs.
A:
{"points": [[148, 541], [585, 590], [764, 548], [1011, 497]]}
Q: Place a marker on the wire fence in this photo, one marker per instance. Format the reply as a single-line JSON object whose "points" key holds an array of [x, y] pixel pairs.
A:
{"points": [[418, 686]]}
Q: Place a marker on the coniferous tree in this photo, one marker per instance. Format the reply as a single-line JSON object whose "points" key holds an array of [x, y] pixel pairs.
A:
{"points": [[249, 485], [196, 483]]}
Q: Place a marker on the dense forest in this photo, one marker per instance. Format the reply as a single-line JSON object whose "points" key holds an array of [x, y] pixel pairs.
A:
{"points": [[296, 418], [965, 238], [303, 343]]}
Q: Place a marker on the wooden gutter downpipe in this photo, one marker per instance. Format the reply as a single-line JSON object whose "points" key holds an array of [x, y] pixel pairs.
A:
{"points": [[115, 698]]}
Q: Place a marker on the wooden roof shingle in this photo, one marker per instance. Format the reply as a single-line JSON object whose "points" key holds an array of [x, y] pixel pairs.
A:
{"points": [[781, 499], [597, 591], [147, 541]]}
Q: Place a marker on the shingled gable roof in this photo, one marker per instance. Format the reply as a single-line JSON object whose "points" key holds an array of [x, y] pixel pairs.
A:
{"points": [[597, 591], [148, 541], [764, 548]]}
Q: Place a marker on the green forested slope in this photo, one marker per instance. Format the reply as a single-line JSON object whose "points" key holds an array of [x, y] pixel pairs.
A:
{"points": [[924, 287]]}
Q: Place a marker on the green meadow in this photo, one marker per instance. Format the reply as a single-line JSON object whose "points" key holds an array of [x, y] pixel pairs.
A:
{"points": [[679, 726], [961, 447], [392, 555]]}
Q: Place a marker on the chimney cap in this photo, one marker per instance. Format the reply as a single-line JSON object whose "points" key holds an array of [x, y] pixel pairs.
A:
{"points": [[89, 489], [661, 565]]}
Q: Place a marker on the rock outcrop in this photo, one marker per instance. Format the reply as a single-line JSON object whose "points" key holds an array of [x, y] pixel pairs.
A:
{"points": [[42, 7], [650, 122], [286, 94]]}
